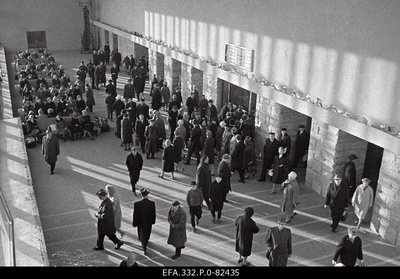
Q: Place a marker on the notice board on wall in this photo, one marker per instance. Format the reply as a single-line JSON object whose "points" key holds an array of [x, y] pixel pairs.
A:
{"points": [[239, 56], [36, 39]]}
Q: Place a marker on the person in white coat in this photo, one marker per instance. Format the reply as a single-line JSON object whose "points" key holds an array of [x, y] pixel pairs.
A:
{"points": [[290, 198], [362, 200]]}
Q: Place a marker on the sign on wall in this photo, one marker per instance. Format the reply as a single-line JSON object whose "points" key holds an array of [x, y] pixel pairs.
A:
{"points": [[239, 56], [36, 39]]}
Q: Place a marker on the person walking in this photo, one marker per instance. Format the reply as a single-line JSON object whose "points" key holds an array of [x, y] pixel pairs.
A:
{"points": [[151, 135], [168, 160], [177, 228], [362, 200], [179, 145], [144, 217], [208, 150], [301, 146], [126, 132], [203, 179], [337, 199], [245, 228], [237, 157], [279, 244], [114, 198], [290, 198], [105, 222], [280, 170], [224, 171], [349, 175], [90, 101], [50, 149], [270, 149], [217, 198], [349, 249], [194, 199], [194, 144], [134, 163]]}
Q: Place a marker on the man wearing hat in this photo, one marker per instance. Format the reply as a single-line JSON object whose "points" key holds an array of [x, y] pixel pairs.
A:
{"points": [[279, 244], [134, 163], [349, 249], [285, 140], [337, 198], [211, 111], [237, 156], [194, 200], [144, 217], [349, 175], [224, 172], [177, 228], [194, 142], [362, 200], [105, 222], [270, 149], [301, 147], [290, 198]]}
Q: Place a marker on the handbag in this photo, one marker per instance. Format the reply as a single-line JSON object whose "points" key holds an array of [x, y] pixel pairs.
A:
{"points": [[345, 215]]}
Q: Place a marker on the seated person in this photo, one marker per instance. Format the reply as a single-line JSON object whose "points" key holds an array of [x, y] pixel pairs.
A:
{"points": [[41, 114], [32, 129], [80, 103], [54, 90], [87, 125], [71, 105], [49, 104], [62, 107], [28, 106], [61, 127], [51, 113], [74, 128]]}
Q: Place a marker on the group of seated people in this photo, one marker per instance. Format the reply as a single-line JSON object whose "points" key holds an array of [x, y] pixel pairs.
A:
{"points": [[58, 100]]}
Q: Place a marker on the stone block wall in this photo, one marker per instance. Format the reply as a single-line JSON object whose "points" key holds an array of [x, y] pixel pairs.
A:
{"points": [[385, 216], [328, 152], [210, 87], [190, 76], [156, 64]]}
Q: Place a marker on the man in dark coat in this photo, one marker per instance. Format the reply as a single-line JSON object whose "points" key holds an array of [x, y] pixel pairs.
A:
{"points": [[105, 222], [280, 169], [156, 101], [151, 135], [134, 163], [279, 244], [168, 159], [349, 175], [129, 91], [177, 228], [111, 88], [237, 157], [224, 171], [245, 228], [139, 84], [349, 249], [217, 198], [208, 150], [194, 142], [131, 109], [302, 142], [203, 179], [191, 103], [337, 198], [271, 147], [211, 111], [142, 108], [144, 217]]}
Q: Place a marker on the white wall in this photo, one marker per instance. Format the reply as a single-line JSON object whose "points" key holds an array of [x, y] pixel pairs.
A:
{"points": [[344, 52], [62, 20]]}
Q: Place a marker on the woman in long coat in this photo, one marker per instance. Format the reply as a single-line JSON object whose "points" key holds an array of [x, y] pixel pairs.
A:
{"points": [[245, 228], [177, 228], [249, 160], [140, 129], [50, 149], [280, 167], [114, 198], [362, 200], [290, 198], [126, 132], [203, 179], [168, 159], [151, 135], [90, 102], [179, 145]]}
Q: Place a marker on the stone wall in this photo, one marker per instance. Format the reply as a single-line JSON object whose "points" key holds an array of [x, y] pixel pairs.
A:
{"points": [[385, 216], [210, 87], [190, 76]]}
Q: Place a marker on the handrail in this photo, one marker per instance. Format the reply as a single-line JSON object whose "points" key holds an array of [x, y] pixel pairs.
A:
{"points": [[11, 229]]}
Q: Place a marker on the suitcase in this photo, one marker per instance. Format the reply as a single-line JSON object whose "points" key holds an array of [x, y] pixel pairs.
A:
{"points": [[105, 128], [30, 142]]}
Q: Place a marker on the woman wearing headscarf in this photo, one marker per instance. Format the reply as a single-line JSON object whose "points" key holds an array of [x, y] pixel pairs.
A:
{"points": [[290, 198], [245, 228], [114, 198]]}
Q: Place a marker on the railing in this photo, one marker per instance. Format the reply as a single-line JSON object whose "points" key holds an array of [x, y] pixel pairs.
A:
{"points": [[7, 245]]}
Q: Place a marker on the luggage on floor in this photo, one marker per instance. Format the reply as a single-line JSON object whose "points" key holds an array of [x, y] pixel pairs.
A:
{"points": [[30, 142]]}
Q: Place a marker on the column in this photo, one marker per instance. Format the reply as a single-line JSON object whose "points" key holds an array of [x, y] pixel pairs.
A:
{"points": [[190, 76], [385, 215]]}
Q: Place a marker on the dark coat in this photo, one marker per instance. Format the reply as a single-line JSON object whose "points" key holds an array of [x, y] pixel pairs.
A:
{"points": [[142, 109], [245, 228], [195, 138], [177, 230], [237, 156], [168, 159], [349, 174], [270, 151], [203, 179], [302, 141], [126, 131], [249, 158], [90, 97], [337, 198], [105, 223], [208, 149], [140, 128], [224, 171], [144, 217], [160, 125], [118, 125], [279, 244], [348, 251], [178, 145], [281, 167], [156, 101], [134, 163], [286, 142], [217, 195], [151, 135], [50, 148]]}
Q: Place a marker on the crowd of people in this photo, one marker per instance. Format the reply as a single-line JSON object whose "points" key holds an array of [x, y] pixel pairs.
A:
{"points": [[220, 143]]}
